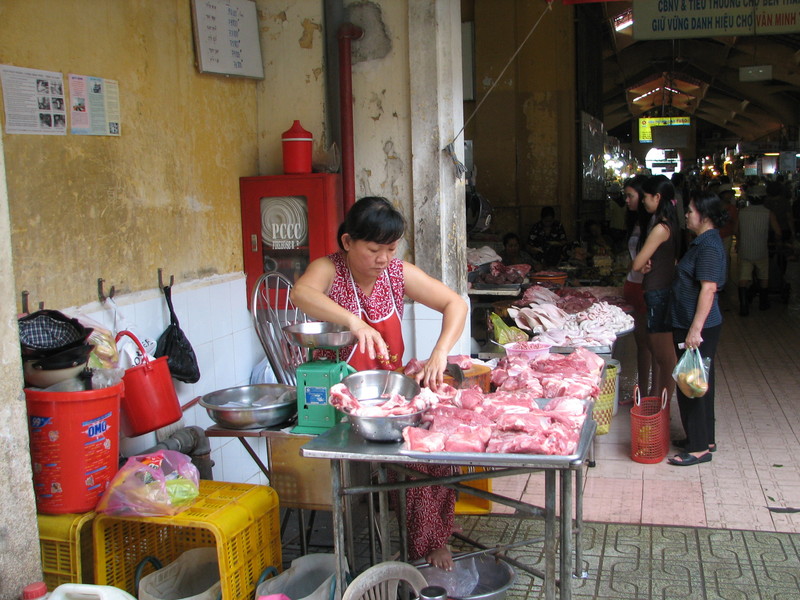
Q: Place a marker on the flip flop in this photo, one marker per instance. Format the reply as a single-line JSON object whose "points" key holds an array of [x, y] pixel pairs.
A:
{"points": [[687, 459]]}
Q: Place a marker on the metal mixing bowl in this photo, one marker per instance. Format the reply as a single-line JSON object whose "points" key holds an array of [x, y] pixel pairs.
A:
{"points": [[494, 577], [319, 334], [378, 384], [371, 388], [251, 406], [382, 429]]}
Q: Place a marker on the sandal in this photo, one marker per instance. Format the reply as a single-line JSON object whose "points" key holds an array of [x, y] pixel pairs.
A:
{"points": [[684, 459], [685, 442]]}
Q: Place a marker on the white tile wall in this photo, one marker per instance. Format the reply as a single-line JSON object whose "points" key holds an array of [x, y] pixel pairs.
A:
{"points": [[213, 314]]}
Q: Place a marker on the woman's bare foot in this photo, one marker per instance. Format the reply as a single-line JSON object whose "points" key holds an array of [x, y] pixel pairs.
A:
{"points": [[442, 558]]}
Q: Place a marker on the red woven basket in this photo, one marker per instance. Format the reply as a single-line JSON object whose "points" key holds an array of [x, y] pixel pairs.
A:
{"points": [[649, 428]]}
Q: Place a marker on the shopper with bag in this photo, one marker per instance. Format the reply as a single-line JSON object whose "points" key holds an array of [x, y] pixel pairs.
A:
{"points": [[697, 320]]}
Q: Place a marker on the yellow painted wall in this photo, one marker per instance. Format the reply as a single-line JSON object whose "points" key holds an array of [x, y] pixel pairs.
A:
{"points": [[165, 193]]}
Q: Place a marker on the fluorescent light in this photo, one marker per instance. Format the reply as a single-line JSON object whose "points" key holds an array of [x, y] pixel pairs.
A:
{"points": [[623, 20], [772, 153]]}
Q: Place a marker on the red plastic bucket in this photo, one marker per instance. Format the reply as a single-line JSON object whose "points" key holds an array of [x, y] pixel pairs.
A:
{"points": [[297, 143], [150, 401], [74, 443]]}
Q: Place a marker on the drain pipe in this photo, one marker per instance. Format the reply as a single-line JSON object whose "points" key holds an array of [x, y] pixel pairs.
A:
{"points": [[347, 33], [193, 442]]}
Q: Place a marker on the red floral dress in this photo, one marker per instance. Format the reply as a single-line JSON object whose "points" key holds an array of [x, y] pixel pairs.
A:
{"points": [[430, 509]]}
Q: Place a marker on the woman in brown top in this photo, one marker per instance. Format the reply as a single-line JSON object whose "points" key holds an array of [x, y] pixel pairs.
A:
{"points": [[656, 259]]}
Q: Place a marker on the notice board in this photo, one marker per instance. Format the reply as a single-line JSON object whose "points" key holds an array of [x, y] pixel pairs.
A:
{"points": [[226, 37]]}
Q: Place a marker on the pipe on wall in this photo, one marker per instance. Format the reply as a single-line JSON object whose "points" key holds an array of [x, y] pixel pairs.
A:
{"points": [[347, 33]]}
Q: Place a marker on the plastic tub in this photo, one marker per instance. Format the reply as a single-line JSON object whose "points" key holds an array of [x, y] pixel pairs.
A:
{"points": [[529, 350], [74, 442]]}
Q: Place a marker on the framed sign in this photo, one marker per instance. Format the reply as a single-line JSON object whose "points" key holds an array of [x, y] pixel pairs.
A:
{"points": [[226, 37]]}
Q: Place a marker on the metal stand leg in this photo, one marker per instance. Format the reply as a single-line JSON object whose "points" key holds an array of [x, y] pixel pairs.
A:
{"points": [[579, 572], [401, 518], [301, 531], [383, 507], [550, 535], [348, 511], [565, 563], [338, 524]]}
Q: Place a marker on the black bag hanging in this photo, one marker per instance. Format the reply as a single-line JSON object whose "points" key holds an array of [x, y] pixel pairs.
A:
{"points": [[173, 344]]}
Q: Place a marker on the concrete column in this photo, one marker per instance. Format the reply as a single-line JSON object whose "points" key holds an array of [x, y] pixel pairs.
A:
{"points": [[439, 214], [19, 535]]}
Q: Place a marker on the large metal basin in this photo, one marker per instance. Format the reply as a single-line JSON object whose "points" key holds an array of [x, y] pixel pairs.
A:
{"points": [[377, 384], [251, 406], [494, 577]]}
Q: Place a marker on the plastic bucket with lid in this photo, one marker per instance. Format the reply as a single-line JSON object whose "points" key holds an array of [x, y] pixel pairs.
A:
{"points": [[150, 401], [297, 145], [74, 443]]}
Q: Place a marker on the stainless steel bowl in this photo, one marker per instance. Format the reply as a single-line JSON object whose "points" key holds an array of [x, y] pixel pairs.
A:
{"points": [[319, 334], [494, 577], [377, 384], [382, 429], [251, 406]]}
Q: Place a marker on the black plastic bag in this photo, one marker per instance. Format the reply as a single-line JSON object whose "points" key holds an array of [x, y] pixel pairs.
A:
{"points": [[173, 344]]}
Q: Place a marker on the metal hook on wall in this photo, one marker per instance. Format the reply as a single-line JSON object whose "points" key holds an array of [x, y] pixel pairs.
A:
{"points": [[161, 280], [100, 294]]}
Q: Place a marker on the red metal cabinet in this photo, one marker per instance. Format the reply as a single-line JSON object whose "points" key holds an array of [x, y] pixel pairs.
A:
{"points": [[288, 221]]}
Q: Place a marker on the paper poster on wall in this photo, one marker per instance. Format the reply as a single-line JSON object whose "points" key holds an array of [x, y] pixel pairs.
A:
{"points": [[226, 37], [34, 101], [94, 106]]}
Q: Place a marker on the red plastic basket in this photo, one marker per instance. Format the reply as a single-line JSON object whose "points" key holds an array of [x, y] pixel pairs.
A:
{"points": [[649, 428]]}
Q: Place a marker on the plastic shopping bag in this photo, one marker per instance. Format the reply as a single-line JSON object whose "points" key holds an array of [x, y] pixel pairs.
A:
{"points": [[152, 485], [311, 577], [691, 373]]}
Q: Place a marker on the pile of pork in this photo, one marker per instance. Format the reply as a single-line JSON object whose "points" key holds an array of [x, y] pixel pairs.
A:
{"points": [[592, 322], [510, 419]]}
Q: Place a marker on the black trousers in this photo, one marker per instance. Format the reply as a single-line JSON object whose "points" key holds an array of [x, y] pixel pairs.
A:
{"points": [[697, 414]]}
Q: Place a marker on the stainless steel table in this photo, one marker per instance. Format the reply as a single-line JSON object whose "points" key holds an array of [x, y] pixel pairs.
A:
{"points": [[342, 446]]}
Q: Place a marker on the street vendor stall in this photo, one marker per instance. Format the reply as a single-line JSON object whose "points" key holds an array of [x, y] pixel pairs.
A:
{"points": [[343, 447]]}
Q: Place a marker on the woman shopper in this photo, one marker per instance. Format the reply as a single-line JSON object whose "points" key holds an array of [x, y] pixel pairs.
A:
{"points": [[362, 287], [697, 320], [637, 221], [656, 259]]}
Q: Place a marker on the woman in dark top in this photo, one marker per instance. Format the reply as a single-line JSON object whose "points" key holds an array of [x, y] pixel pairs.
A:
{"points": [[547, 239], [656, 259], [697, 320]]}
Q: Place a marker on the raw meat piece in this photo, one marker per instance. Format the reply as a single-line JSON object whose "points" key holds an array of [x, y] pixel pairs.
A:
{"points": [[567, 405], [536, 294], [469, 398], [341, 398], [413, 367], [421, 440], [464, 442]]}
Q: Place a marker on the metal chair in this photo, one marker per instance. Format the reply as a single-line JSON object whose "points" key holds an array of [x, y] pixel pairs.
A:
{"points": [[272, 310], [381, 582]]}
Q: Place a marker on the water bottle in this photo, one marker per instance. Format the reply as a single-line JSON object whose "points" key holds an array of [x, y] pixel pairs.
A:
{"points": [[85, 591], [35, 591]]}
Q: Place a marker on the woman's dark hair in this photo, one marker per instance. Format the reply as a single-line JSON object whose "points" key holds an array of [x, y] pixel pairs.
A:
{"points": [[372, 219], [640, 216], [508, 237], [708, 205], [547, 211], [665, 212]]}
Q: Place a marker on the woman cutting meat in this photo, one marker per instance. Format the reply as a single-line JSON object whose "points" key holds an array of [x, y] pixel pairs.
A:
{"points": [[361, 287]]}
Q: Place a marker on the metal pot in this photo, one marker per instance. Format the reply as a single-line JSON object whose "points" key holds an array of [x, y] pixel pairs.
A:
{"points": [[495, 576], [251, 406]]}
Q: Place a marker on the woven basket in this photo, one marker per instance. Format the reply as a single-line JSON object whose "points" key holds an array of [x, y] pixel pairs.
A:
{"points": [[649, 428], [604, 406]]}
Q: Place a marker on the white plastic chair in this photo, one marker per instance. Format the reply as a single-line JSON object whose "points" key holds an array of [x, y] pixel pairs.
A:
{"points": [[381, 581]]}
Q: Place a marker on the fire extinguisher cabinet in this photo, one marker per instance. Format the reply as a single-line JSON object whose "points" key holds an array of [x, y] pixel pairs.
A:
{"points": [[288, 221]]}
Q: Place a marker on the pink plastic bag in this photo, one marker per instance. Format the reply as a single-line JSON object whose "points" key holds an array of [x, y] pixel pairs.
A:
{"points": [[152, 485]]}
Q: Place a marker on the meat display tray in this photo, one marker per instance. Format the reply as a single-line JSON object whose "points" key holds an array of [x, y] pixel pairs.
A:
{"points": [[571, 349], [342, 443]]}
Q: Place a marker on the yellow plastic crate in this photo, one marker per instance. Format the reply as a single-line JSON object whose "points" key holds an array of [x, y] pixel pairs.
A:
{"points": [[467, 504], [241, 520], [65, 542], [604, 405]]}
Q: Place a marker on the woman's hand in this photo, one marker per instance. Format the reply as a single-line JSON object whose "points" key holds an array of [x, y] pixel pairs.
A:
{"points": [[432, 374], [693, 339], [369, 340]]}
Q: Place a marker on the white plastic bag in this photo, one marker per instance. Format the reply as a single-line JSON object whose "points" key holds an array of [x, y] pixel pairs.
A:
{"points": [[311, 577], [194, 575]]}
